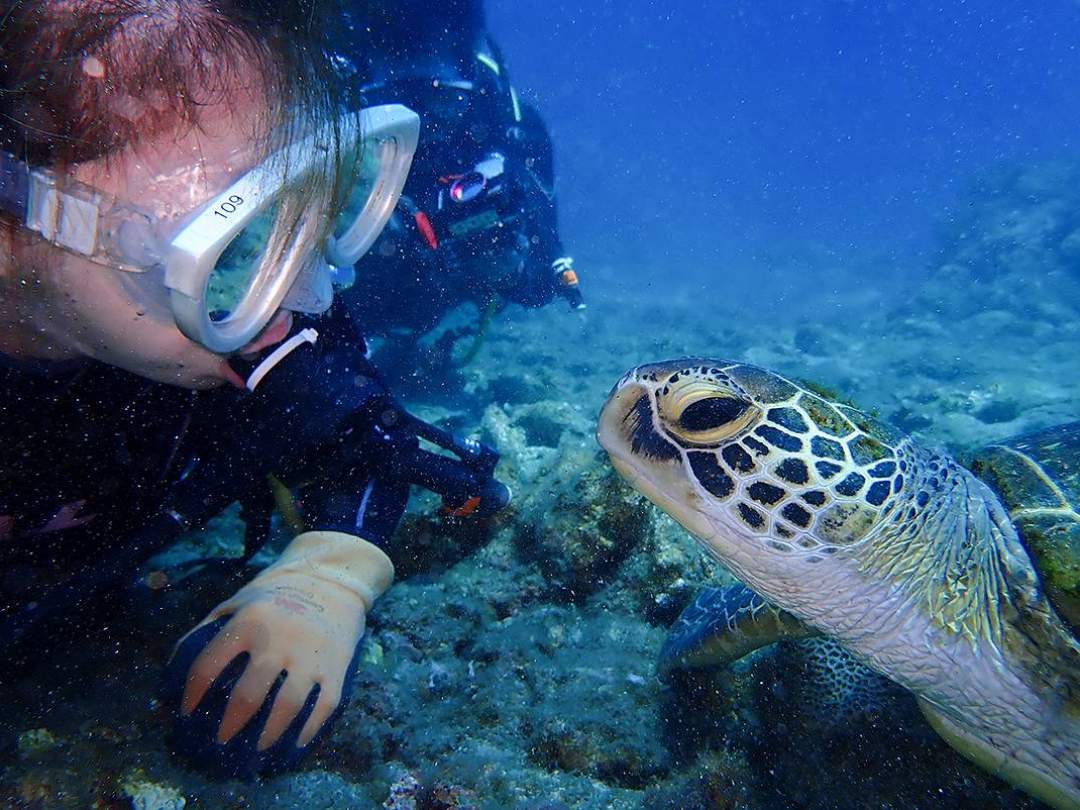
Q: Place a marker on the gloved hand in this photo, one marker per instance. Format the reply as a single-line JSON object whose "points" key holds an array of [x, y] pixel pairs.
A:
{"points": [[298, 624]]}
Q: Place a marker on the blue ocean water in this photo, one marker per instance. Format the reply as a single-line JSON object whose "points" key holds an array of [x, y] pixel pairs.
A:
{"points": [[710, 141]]}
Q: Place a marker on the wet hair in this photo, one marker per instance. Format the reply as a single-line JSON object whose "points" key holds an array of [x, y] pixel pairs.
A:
{"points": [[82, 80]]}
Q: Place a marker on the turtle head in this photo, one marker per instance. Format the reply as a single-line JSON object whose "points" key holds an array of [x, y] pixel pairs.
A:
{"points": [[770, 475]]}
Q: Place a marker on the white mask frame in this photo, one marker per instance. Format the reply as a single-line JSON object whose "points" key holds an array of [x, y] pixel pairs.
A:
{"points": [[84, 221]]}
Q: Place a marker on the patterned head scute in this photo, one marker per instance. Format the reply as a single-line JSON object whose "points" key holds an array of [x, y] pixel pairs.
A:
{"points": [[766, 455]]}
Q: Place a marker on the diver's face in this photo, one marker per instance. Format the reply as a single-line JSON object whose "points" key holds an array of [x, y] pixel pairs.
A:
{"points": [[82, 309]]}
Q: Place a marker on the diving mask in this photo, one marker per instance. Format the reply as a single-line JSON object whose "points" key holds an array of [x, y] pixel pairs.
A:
{"points": [[238, 258]]}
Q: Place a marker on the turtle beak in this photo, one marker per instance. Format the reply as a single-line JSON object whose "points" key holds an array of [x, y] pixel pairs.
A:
{"points": [[611, 429], [645, 458]]}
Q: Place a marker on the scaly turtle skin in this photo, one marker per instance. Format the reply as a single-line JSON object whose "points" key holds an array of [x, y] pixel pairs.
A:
{"points": [[894, 550]]}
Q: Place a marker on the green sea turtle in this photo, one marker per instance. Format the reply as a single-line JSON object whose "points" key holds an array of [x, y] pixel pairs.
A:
{"points": [[845, 527]]}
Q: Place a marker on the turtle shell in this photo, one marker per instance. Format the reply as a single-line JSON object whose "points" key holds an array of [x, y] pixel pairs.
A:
{"points": [[1037, 477]]}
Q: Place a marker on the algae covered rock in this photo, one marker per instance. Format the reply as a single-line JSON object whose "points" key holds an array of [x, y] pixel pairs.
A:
{"points": [[427, 540], [313, 789], [661, 575], [580, 524], [146, 794], [597, 751], [572, 517], [491, 704], [1038, 480], [581, 697], [719, 780], [37, 741]]}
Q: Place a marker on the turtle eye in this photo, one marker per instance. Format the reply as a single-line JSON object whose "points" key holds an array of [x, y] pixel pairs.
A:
{"points": [[700, 413], [711, 413]]}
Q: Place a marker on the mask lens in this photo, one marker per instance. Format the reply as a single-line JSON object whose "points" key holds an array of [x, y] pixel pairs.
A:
{"points": [[362, 189], [388, 142], [468, 187], [236, 275]]}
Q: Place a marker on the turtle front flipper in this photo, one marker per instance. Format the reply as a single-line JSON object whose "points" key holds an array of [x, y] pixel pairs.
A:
{"points": [[722, 625], [1038, 782]]}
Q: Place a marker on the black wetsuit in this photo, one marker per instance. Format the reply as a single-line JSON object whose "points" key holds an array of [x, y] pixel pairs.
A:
{"points": [[100, 468], [86, 457], [440, 61]]}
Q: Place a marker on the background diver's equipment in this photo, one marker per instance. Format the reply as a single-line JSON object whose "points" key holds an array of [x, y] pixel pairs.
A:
{"points": [[244, 254], [566, 282], [480, 217], [479, 203]]}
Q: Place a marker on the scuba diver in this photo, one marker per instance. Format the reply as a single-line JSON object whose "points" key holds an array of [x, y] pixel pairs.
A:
{"points": [[149, 261], [477, 220]]}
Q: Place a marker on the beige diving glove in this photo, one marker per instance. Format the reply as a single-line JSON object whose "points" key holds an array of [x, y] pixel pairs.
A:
{"points": [[303, 615]]}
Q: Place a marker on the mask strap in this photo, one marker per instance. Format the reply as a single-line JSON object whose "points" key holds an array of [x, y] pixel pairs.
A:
{"points": [[279, 354], [66, 218]]}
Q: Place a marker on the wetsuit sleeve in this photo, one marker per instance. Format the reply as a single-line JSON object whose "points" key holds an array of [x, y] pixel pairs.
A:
{"points": [[356, 502], [539, 282], [299, 426]]}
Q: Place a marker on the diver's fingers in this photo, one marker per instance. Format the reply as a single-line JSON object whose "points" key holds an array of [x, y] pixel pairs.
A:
{"points": [[208, 666], [290, 699], [247, 696], [329, 698]]}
